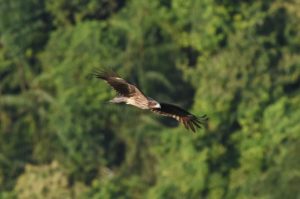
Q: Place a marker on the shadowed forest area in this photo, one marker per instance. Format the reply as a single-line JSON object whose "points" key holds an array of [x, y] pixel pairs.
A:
{"points": [[236, 61]]}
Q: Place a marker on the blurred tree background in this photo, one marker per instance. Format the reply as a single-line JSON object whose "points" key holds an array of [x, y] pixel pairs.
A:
{"points": [[236, 61]]}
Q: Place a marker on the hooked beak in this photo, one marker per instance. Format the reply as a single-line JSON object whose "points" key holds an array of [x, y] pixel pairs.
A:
{"points": [[157, 105]]}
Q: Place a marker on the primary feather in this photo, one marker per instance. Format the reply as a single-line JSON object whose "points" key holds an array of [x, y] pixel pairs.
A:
{"points": [[189, 120], [119, 85]]}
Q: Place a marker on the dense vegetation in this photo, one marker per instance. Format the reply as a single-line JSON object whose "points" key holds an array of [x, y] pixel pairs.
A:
{"points": [[236, 61]]}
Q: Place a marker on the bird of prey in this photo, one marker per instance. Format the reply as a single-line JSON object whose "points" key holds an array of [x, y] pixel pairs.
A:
{"points": [[130, 94]]}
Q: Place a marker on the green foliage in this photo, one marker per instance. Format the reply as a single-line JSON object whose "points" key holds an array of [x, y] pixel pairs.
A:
{"points": [[238, 62], [48, 181], [22, 26]]}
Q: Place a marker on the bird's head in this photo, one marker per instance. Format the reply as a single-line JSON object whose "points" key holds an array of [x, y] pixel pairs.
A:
{"points": [[153, 104]]}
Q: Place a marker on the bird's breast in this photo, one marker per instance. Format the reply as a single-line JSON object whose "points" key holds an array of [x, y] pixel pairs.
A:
{"points": [[138, 102]]}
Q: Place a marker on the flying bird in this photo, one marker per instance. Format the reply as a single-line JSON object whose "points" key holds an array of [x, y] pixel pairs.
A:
{"points": [[129, 94]]}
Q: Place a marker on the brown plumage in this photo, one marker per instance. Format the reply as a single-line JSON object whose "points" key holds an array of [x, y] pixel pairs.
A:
{"points": [[189, 120], [130, 94]]}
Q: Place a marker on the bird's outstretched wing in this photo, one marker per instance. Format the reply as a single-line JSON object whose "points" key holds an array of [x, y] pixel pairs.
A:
{"points": [[189, 120], [121, 86]]}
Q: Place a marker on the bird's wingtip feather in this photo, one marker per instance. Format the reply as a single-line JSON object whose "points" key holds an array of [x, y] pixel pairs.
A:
{"points": [[103, 73]]}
